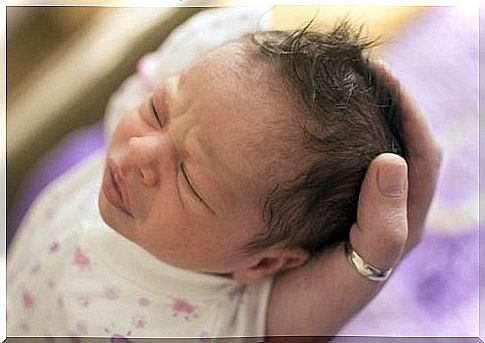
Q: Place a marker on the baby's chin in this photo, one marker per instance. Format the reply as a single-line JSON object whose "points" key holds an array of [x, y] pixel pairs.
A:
{"points": [[109, 215], [119, 224]]}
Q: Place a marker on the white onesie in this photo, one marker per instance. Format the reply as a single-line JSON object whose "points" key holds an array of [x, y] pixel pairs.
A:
{"points": [[69, 274]]}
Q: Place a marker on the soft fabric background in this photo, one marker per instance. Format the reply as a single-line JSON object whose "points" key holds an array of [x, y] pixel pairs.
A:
{"points": [[435, 290]]}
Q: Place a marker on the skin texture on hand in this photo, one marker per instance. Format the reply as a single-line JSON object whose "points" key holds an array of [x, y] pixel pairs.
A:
{"points": [[323, 295]]}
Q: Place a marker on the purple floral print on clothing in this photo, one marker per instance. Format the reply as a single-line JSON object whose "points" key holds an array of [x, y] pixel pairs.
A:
{"points": [[83, 300], [143, 302], [81, 258], [54, 247], [35, 268], [27, 300], [111, 292], [25, 327], [185, 308], [236, 293], [139, 321]]}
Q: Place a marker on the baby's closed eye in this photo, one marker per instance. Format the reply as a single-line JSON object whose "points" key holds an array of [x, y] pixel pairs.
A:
{"points": [[155, 114]]}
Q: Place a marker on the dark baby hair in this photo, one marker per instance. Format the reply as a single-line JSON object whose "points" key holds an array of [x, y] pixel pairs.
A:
{"points": [[347, 116]]}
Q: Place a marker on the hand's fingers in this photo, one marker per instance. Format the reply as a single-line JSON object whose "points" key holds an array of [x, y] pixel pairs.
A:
{"points": [[381, 229]]}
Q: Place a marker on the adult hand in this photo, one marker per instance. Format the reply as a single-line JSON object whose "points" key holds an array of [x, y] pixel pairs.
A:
{"points": [[325, 293], [424, 164]]}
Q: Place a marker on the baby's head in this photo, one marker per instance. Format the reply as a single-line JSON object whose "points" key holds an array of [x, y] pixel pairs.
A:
{"points": [[251, 160]]}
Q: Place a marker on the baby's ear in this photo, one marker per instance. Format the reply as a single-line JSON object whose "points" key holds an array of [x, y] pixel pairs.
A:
{"points": [[271, 261]]}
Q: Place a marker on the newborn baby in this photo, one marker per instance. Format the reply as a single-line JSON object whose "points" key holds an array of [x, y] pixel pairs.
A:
{"points": [[246, 164]]}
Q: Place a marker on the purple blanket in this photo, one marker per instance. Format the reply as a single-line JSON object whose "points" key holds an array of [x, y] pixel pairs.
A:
{"points": [[435, 290]]}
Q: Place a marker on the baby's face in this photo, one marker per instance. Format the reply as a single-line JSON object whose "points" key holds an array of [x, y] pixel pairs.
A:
{"points": [[185, 173]]}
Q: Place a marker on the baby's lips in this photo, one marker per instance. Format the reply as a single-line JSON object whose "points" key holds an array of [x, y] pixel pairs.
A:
{"points": [[121, 185]]}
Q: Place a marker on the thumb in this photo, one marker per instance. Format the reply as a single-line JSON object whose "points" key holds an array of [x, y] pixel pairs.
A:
{"points": [[380, 233], [378, 236]]}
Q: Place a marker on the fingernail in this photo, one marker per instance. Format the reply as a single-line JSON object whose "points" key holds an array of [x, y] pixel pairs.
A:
{"points": [[392, 179]]}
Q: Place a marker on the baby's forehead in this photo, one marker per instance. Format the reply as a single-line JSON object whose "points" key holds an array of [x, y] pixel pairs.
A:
{"points": [[237, 56], [247, 120]]}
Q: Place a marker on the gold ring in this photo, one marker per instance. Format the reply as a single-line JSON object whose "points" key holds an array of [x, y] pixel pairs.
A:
{"points": [[363, 268]]}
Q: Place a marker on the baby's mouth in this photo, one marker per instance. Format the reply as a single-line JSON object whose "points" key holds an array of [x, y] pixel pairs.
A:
{"points": [[120, 187], [114, 190]]}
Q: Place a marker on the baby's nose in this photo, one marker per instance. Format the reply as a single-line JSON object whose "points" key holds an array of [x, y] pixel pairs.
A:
{"points": [[144, 154], [148, 177]]}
